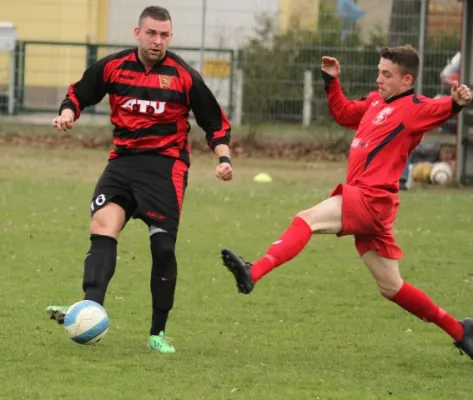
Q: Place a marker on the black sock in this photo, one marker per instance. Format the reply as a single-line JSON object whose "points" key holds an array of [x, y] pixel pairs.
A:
{"points": [[162, 292], [99, 267], [163, 280], [159, 319]]}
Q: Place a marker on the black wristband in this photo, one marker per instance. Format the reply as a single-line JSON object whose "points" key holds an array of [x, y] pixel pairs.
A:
{"points": [[226, 159], [456, 108], [327, 78]]}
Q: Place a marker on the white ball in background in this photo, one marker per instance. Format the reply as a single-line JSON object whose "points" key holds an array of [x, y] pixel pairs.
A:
{"points": [[441, 173]]}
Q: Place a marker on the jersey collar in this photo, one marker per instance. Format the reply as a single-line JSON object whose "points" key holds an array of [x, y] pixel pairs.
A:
{"points": [[398, 96], [157, 64]]}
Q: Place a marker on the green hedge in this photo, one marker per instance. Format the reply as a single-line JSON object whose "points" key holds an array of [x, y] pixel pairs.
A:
{"points": [[273, 66]]}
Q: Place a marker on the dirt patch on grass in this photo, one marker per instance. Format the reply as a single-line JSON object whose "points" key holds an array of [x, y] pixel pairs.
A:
{"points": [[294, 150]]}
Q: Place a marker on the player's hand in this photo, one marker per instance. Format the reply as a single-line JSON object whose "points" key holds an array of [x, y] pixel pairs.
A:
{"points": [[331, 66], [64, 121], [224, 171], [461, 94]]}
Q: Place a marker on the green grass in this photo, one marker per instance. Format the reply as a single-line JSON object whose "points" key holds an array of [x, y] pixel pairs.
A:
{"points": [[314, 329]]}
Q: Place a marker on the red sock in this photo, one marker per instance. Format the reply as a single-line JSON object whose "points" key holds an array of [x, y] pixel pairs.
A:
{"points": [[419, 304], [289, 245]]}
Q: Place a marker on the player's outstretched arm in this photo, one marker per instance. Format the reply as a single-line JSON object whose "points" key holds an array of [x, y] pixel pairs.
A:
{"points": [[330, 66], [427, 113], [88, 91], [347, 113], [64, 121], [461, 94]]}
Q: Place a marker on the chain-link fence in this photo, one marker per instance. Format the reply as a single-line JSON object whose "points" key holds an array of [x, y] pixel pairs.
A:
{"points": [[261, 58], [280, 72], [41, 83]]}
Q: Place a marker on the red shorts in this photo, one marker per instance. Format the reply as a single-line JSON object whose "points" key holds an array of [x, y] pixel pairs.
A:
{"points": [[369, 214]]}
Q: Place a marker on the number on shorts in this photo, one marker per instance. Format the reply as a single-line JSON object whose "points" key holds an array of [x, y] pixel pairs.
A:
{"points": [[99, 201]]}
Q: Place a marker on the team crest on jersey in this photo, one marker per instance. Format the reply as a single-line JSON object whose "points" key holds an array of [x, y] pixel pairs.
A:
{"points": [[383, 115], [165, 81]]}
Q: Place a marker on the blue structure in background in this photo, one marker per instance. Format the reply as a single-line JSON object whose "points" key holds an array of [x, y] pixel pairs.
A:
{"points": [[350, 12]]}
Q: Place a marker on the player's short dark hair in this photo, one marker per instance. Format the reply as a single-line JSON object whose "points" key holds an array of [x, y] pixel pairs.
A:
{"points": [[405, 56], [155, 12]]}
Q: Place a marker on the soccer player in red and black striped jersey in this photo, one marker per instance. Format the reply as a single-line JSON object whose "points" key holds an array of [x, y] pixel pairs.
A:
{"points": [[389, 124], [151, 93]]}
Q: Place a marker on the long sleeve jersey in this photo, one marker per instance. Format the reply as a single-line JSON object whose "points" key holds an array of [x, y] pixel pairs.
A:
{"points": [[386, 131], [150, 108]]}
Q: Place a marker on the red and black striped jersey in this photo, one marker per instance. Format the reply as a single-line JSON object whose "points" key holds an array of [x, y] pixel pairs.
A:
{"points": [[150, 107]]}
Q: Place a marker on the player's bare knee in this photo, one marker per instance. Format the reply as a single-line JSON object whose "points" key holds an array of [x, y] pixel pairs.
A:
{"points": [[307, 216], [325, 217], [389, 284], [385, 272], [388, 289], [314, 218], [100, 226], [108, 221]]}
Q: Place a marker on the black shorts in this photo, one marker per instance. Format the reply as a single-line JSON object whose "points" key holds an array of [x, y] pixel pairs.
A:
{"points": [[147, 186]]}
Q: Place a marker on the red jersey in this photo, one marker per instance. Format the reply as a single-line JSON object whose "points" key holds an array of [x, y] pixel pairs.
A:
{"points": [[150, 107], [386, 131]]}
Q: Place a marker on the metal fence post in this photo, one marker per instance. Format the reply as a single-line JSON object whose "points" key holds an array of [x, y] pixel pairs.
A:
{"points": [[91, 58], [238, 113], [422, 33], [21, 76], [307, 102], [202, 36], [16, 78]]}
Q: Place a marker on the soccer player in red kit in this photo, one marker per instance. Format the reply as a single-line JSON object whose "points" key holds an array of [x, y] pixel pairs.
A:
{"points": [[389, 123], [151, 93]]}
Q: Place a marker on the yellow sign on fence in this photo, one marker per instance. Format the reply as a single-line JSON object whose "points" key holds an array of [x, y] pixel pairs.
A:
{"points": [[216, 68]]}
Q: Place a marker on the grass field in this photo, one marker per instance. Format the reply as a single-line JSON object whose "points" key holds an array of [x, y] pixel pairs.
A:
{"points": [[314, 329]]}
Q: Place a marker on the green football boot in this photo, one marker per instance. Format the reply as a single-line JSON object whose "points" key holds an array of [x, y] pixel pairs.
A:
{"points": [[161, 343]]}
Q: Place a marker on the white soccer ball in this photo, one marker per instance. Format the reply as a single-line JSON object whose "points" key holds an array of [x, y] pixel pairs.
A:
{"points": [[86, 322], [441, 173]]}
